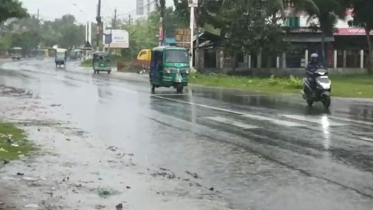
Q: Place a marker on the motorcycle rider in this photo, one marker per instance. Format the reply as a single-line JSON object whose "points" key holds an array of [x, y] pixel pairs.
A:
{"points": [[312, 66]]}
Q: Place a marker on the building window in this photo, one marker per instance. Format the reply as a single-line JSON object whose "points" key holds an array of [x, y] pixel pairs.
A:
{"points": [[293, 21]]}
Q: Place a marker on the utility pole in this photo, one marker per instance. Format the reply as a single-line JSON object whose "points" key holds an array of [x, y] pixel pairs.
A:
{"points": [[114, 25], [99, 25], [38, 28], [129, 19], [161, 24]]}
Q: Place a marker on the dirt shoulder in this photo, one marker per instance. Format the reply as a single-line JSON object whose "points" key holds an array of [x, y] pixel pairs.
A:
{"points": [[75, 170]]}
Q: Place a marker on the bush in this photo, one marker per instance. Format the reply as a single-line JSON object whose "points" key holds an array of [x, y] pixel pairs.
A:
{"points": [[291, 83], [86, 63]]}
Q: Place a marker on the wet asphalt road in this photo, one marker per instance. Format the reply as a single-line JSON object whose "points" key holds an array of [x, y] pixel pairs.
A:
{"points": [[261, 152]]}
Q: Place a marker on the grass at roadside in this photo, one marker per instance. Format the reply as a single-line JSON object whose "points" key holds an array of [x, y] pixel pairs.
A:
{"points": [[13, 142], [360, 86]]}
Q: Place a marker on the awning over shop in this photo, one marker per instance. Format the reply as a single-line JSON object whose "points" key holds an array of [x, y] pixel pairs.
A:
{"points": [[350, 32], [307, 38]]}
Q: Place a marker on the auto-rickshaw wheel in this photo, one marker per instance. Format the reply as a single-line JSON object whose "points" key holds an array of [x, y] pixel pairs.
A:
{"points": [[109, 72], [153, 89], [179, 89]]}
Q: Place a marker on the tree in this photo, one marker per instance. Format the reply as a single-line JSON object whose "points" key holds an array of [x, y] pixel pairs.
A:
{"points": [[362, 14], [11, 9], [327, 13], [29, 33], [250, 27], [142, 34], [173, 21]]}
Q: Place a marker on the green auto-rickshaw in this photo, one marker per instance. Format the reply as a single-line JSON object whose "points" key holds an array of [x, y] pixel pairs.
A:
{"points": [[101, 62], [169, 67]]}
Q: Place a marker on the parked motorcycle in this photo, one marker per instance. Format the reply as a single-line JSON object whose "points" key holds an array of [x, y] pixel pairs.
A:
{"points": [[319, 92]]}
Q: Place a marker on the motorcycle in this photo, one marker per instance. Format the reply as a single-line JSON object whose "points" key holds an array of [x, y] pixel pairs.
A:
{"points": [[320, 93]]}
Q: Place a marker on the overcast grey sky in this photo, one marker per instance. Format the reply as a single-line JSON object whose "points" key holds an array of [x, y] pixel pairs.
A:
{"points": [[84, 10]]}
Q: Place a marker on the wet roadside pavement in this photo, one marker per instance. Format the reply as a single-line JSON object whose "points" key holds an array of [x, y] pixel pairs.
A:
{"points": [[257, 151]]}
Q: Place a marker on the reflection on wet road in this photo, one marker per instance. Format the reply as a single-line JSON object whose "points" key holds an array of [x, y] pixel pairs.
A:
{"points": [[261, 152]]}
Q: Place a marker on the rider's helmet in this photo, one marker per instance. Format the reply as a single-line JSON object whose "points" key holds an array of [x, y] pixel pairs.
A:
{"points": [[314, 58]]}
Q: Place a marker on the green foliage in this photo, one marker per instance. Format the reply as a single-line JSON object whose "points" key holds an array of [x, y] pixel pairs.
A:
{"points": [[250, 27], [12, 142], [362, 16], [291, 83], [143, 32], [11, 9], [29, 33], [142, 36]]}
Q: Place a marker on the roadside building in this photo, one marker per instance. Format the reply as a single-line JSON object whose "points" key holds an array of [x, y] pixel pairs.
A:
{"points": [[346, 49]]}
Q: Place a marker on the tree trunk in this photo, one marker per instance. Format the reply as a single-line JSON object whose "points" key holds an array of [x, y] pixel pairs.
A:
{"points": [[370, 67], [323, 49], [234, 62]]}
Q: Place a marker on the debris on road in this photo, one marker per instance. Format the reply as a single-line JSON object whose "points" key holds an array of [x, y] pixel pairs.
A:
{"points": [[194, 175], [54, 105], [112, 148], [31, 206], [20, 174], [119, 206], [167, 174], [104, 192], [100, 207]]}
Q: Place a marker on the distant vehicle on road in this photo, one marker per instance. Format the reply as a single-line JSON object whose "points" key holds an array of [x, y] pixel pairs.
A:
{"points": [[16, 56], [169, 68], [60, 59], [143, 59], [75, 54], [101, 62], [40, 54], [16, 53]]}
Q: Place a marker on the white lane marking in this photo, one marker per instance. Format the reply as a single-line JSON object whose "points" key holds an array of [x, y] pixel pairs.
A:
{"points": [[366, 139], [172, 94], [352, 121], [232, 122], [275, 121], [124, 89], [200, 105], [312, 119]]}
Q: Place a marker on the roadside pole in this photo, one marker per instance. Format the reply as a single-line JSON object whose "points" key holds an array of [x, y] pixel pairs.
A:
{"points": [[192, 5], [99, 25]]}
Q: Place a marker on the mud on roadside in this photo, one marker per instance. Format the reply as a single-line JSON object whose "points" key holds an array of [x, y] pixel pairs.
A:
{"points": [[75, 170]]}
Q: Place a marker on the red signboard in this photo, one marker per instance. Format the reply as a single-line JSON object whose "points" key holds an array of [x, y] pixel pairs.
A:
{"points": [[350, 32]]}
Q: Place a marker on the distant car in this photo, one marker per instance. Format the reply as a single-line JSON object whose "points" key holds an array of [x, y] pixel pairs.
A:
{"points": [[16, 57], [40, 57]]}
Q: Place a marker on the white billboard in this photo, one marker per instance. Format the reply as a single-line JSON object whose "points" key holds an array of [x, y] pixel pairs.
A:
{"points": [[119, 39]]}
